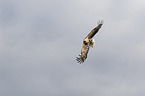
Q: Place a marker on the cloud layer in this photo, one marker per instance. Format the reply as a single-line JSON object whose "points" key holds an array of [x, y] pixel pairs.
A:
{"points": [[39, 42]]}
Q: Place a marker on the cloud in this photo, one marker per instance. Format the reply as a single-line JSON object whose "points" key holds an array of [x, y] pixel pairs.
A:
{"points": [[39, 41]]}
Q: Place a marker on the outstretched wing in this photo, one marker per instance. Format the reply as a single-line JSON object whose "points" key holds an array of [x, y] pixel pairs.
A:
{"points": [[95, 30], [83, 54]]}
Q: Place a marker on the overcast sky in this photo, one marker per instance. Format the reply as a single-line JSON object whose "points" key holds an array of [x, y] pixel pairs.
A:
{"points": [[40, 40]]}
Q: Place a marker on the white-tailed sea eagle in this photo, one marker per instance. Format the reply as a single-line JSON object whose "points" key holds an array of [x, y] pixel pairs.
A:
{"points": [[88, 42]]}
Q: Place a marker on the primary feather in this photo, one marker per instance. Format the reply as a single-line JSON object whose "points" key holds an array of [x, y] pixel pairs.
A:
{"points": [[87, 42]]}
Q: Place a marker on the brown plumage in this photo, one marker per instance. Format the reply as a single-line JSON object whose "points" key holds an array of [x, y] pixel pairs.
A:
{"points": [[87, 42]]}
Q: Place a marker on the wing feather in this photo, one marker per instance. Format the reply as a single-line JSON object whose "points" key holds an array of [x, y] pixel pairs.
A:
{"points": [[83, 55], [95, 30]]}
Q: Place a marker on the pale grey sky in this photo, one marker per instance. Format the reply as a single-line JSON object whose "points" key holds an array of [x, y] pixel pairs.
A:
{"points": [[40, 40]]}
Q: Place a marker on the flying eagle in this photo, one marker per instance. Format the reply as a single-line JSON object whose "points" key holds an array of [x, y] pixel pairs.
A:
{"points": [[88, 42]]}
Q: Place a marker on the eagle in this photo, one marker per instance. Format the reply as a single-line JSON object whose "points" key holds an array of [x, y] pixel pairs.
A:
{"points": [[88, 42]]}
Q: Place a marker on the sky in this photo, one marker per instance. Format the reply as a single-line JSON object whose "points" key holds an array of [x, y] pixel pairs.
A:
{"points": [[40, 40]]}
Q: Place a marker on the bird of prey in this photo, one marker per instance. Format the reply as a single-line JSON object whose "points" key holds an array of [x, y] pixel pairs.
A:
{"points": [[88, 42]]}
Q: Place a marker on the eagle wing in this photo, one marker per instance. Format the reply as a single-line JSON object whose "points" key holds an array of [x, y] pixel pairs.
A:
{"points": [[83, 55], [95, 30]]}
